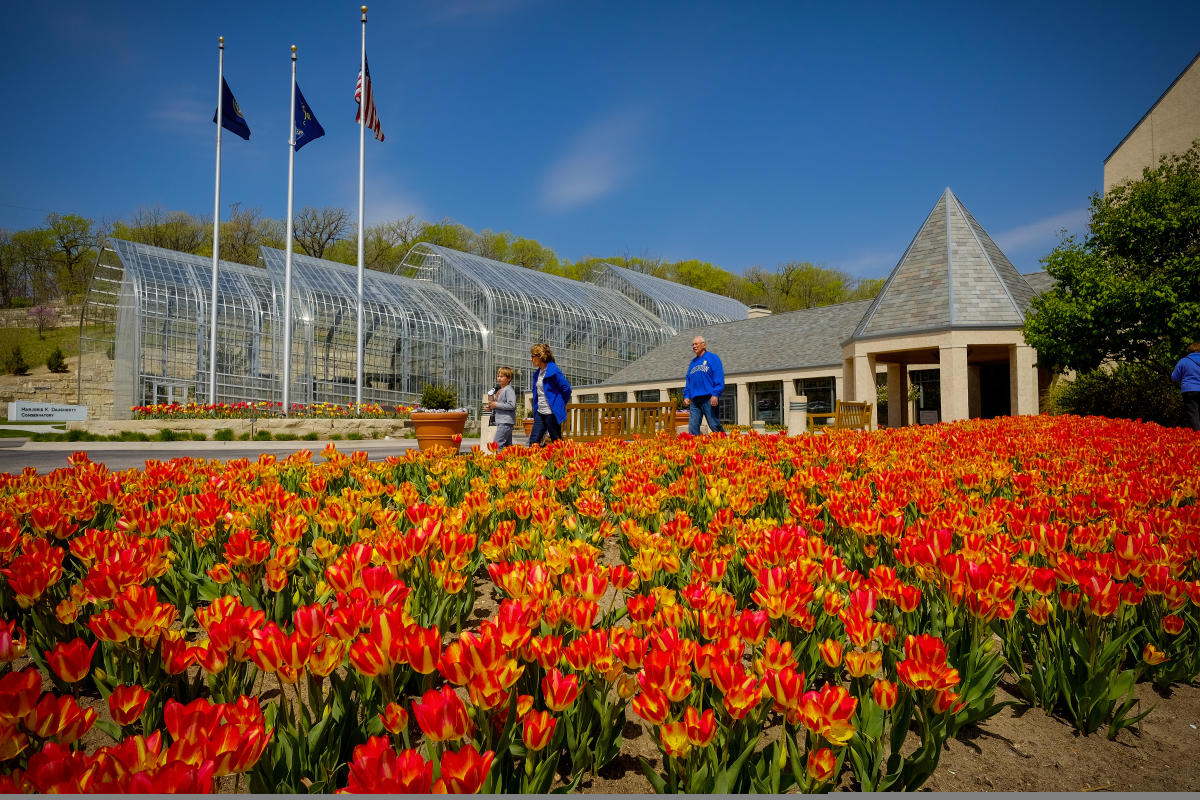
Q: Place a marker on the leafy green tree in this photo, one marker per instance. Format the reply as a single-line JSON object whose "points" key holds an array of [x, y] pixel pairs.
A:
{"points": [[1130, 290], [33, 265]]}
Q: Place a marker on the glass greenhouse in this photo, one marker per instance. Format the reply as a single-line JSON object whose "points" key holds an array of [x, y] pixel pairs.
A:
{"points": [[147, 309], [447, 317], [593, 330], [681, 307]]}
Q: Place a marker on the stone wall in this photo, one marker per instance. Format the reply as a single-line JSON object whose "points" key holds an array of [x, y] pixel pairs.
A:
{"points": [[68, 316]]}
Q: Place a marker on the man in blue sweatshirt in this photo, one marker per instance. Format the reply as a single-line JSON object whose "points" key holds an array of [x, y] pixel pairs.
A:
{"points": [[1187, 375], [702, 388]]}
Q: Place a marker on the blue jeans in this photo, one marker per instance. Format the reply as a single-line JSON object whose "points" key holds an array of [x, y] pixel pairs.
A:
{"points": [[702, 405], [542, 424]]}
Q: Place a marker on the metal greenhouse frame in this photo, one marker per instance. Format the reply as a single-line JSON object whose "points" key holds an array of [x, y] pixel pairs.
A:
{"points": [[144, 328], [681, 307], [414, 333], [593, 331]]}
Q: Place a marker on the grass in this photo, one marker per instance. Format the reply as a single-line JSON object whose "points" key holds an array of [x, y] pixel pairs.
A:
{"points": [[34, 349]]}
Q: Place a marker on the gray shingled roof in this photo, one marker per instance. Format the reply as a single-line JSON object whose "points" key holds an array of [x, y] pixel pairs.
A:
{"points": [[1040, 282], [793, 340], [951, 276]]}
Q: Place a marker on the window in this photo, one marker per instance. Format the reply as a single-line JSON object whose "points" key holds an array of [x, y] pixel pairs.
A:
{"points": [[929, 394], [765, 401], [646, 395], [587, 398], [616, 397], [727, 406], [821, 393]]}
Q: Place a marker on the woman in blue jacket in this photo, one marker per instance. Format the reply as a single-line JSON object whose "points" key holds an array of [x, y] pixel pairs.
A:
{"points": [[551, 393]]}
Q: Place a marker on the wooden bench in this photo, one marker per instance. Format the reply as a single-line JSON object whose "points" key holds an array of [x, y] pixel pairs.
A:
{"points": [[847, 415], [587, 422]]}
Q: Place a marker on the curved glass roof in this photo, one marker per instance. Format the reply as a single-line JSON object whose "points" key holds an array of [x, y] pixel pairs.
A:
{"points": [[148, 308], [681, 307], [414, 333], [593, 330]]}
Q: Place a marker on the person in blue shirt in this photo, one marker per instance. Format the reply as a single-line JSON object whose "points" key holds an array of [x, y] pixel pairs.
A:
{"points": [[1187, 375], [551, 393], [702, 388]]}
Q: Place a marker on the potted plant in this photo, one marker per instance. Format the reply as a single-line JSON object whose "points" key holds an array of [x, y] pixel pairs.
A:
{"points": [[438, 422]]}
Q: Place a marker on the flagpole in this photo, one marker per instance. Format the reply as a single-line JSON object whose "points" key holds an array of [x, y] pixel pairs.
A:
{"points": [[212, 317], [287, 264], [362, 140]]}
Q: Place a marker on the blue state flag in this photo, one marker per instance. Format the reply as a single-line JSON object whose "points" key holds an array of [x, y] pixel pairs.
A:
{"points": [[231, 113], [307, 127]]}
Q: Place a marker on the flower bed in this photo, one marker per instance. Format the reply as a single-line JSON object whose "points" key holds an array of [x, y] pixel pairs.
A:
{"points": [[263, 408], [777, 613]]}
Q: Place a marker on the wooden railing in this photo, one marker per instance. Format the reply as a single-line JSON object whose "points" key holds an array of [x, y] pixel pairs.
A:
{"points": [[590, 421]]}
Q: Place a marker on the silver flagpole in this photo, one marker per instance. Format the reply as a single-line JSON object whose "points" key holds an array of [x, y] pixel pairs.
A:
{"points": [[212, 316], [287, 264], [362, 139]]}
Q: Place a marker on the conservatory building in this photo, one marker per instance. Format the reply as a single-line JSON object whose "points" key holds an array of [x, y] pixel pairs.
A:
{"points": [[446, 317]]}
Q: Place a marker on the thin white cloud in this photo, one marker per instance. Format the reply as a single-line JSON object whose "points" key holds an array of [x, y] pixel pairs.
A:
{"points": [[1043, 232], [386, 202], [598, 161], [177, 112]]}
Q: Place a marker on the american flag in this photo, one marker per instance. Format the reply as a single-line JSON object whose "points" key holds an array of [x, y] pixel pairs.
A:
{"points": [[372, 115]]}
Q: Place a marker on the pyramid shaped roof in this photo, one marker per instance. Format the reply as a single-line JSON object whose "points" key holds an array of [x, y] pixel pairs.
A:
{"points": [[951, 276]]}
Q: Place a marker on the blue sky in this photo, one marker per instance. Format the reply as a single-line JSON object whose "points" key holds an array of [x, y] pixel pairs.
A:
{"points": [[748, 133]]}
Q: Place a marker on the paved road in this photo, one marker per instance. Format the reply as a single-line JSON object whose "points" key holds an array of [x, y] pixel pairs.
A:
{"points": [[17, 454]]}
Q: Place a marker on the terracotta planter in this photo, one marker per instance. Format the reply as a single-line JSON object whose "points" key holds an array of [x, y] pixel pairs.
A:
{"points": [[682, 418], [528, 424], [610, 426], [439, 428]]}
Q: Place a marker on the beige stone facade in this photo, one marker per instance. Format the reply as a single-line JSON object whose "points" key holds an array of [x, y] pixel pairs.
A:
{"points": [[1170, 126]]}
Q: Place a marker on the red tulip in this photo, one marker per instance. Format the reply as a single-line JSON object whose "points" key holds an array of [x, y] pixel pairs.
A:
{"points": [[464, 771], [126, 703], [885, 693], [395, 718], [560, 691], [19, 692], [821, 764], [442, 715], [537, 729], [377, 769], [71, 660]]}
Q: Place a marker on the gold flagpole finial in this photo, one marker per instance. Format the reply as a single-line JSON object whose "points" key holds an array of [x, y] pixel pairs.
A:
{"points": [[221, 41], [293, 51]]}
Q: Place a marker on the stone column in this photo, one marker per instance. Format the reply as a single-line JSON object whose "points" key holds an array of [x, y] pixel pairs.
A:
{"points": [[1022, 379], [897, 383], [953, 377], [974, 400], [743, 404]]}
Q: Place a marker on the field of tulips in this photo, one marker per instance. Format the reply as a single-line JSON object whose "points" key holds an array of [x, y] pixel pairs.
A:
{"points": [[775, 613]]}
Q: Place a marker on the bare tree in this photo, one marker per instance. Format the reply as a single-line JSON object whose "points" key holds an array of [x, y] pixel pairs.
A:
{"points": [[177, 230], [315, 229], [75, 243], [245, 231]]}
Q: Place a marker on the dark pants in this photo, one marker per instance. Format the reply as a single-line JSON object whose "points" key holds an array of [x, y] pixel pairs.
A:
{"points": [[543, 424], [1191, 409], [702, 405]]}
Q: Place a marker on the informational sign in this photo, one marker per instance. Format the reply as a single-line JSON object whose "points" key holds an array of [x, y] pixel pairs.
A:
{"points": [[929, 417], [23, 411]]}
